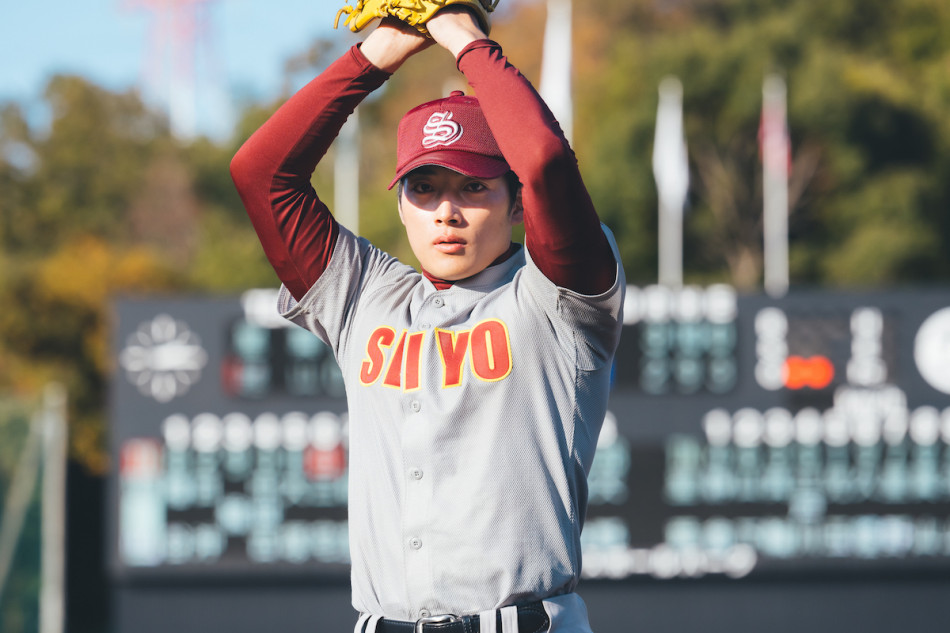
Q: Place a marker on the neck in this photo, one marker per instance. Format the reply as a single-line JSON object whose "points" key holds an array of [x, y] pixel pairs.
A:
{"points": [[442, 284]]}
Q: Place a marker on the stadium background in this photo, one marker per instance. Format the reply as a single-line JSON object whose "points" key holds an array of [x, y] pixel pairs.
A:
{"points": [[106, 205]]}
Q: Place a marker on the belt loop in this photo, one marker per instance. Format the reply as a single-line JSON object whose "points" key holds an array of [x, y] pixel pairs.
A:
{"points": [[509, 619], [373, 621], [487, 621], [360, 622]]}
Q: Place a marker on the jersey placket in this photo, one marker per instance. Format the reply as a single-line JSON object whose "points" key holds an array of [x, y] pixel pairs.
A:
{"points": [[418, 473]]}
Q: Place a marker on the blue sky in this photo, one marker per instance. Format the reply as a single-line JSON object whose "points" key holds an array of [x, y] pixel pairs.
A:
{"points": [[109, 42]]}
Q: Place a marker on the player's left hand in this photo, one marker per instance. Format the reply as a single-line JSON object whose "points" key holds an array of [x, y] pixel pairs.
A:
{"points": [[454, 28]]}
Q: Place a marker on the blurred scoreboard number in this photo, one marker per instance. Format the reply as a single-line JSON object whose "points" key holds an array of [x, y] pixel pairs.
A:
{"points": [[745, 436], [679, 342]]}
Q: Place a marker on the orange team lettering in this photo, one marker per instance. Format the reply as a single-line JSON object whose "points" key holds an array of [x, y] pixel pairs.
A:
{"points": [[413, 360], [491, 351], [382, 337], [488, 342], [394, 372], [452, 348]]}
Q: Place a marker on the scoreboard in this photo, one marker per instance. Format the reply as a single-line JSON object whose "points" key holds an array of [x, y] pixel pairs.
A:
{"points": [[746, 437], [763, 437]]}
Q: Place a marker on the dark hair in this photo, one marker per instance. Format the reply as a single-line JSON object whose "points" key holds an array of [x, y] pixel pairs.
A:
{"points": [[514, 185]]}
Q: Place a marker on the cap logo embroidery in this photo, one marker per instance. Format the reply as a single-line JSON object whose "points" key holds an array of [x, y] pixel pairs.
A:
{"points": [[440, 129]]}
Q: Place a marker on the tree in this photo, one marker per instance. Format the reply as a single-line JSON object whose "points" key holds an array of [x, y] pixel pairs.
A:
{"points": [[104, 202], [866, 96]]}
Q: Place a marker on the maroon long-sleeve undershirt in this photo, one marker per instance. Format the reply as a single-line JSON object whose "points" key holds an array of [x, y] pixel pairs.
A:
{"points": [[272, 172], [562, 231]]}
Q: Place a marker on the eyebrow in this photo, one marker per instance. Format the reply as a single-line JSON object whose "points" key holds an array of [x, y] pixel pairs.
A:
{"points": [[424, 170]]}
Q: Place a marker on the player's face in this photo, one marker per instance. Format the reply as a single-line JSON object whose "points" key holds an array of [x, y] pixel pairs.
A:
{"points": [[457, 225]]}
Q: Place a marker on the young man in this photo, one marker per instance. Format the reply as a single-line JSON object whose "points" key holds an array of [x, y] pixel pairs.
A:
{"points": [[477, 388]]}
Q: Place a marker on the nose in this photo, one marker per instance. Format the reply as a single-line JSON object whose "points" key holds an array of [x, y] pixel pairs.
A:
{"points": [[447, 212]]}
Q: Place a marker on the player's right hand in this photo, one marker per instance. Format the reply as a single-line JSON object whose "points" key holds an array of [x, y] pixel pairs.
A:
{"points": [[392, 43]]}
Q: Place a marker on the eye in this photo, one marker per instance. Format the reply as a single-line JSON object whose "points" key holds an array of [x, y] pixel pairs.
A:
{"points": [[420, 187], [475, 186]]}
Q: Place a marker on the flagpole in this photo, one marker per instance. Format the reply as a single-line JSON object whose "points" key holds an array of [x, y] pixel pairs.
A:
{"points": [[346, 175], [775, 167], [556, 64], [53, 552]]}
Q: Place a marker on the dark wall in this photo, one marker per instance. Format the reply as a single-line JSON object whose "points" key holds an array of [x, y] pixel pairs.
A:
{"points": [[815, 606], [88, 588], [812, 606]]}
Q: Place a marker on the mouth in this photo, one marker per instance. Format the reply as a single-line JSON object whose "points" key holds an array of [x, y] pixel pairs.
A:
{"points": [[449, 244]]}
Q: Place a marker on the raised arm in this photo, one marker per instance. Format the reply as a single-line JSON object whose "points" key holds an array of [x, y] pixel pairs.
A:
{"points": [[562, 230], [272, 169]]}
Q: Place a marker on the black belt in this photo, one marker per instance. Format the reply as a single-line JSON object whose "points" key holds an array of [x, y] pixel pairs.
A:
{"points": [[532, 618]]}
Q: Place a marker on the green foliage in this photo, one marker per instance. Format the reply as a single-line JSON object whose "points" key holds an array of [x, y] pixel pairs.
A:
{"points": [[230, 258], [868, 91], [104, 202], [883, 236], [90, 165]]}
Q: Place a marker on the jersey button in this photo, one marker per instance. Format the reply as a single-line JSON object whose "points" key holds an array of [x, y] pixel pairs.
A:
{"points": [[425, 613], [415, 542], [415, 473], [416, 406], [438, 302]]}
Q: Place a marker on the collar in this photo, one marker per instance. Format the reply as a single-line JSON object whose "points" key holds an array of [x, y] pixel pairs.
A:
{"points": [[443, 284]]}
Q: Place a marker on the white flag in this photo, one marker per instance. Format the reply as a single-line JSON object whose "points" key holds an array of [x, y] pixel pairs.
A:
{"points": [[671, 171], [670, 164], [776, 158]]}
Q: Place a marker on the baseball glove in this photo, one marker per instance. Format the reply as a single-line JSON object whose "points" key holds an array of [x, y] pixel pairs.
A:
{"points": [[413, 12]]}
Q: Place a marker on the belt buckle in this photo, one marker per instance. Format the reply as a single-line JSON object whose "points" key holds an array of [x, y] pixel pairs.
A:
{"points": [[444, 618]]}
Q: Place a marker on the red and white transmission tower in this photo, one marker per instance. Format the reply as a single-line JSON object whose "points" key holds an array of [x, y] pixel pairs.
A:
{"points": [[179, 33]]}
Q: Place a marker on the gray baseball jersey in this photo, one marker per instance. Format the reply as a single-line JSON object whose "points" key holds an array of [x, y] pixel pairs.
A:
{"points": [[474, 416]]}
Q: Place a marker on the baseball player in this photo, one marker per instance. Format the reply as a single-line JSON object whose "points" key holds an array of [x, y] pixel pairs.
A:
{"points": [[476, 387]]}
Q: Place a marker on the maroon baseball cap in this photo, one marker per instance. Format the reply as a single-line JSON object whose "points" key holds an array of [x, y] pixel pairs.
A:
{"points": [[451, 132]]}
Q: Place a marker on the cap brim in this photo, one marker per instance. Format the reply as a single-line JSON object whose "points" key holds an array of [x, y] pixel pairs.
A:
{"points": [[474, 165]]}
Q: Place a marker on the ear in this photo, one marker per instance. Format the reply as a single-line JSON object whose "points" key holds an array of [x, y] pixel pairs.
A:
{"points": [[517, 209]]}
